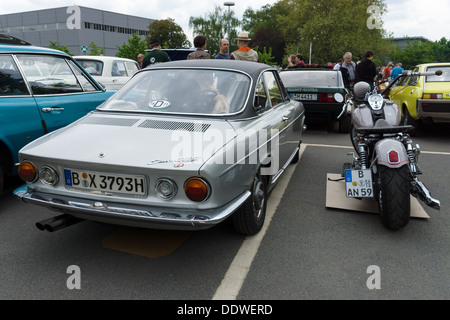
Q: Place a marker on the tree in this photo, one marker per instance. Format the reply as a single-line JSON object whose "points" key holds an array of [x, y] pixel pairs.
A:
{"points": [[333, 28], [94, 50], [56, 46], [214, 27], [168, 33], [263, 26], [132, 48]]}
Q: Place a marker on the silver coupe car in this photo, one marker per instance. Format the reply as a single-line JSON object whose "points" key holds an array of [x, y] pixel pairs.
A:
{"points": [[183, 145]]}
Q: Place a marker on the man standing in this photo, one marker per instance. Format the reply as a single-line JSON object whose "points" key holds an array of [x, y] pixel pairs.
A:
{"points": [[140, 59], [395, 72], [200, 53], [244, 52], [155, 54], [366, 70], [223, 53], [350, 67]]}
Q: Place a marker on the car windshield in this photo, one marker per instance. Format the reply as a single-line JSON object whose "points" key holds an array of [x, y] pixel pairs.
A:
{"points": [[316, 79], [445, 77], [185, 91]]}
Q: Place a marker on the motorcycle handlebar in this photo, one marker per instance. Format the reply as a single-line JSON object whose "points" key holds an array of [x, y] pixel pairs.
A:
{"points": [[426, 73]]}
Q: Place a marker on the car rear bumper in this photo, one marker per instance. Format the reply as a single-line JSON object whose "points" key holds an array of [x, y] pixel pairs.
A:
{"points": [[321, 112], [133, 215], [436, 109]]}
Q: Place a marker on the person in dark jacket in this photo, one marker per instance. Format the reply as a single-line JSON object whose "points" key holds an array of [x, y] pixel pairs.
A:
{"points": [[366, 70]]}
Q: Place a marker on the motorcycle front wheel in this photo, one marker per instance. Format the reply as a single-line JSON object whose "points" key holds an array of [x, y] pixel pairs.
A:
{"points": [[394, 202]]}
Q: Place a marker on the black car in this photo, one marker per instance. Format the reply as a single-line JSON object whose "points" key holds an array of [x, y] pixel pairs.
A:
{"points": [[322, 92]]}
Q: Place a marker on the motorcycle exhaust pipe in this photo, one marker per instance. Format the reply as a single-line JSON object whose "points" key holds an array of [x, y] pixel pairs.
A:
{"points": [[58, 222], [423, 194]]}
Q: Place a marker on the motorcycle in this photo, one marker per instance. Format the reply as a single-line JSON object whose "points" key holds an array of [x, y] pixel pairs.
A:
{"points": [[385, 162]]}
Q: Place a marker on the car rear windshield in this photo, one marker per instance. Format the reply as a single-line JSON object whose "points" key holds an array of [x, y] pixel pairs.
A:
{"points": [[183, 91], [309, 78], [445, 77]]}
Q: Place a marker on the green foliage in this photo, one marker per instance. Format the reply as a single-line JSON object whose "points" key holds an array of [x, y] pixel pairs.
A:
{"points": [[56, 46], [417, 52], [168, 33], [333, 28], [265, 57], [94, 50], [214, 26], [132, 48]]}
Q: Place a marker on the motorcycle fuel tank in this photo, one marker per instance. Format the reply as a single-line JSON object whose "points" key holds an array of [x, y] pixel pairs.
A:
{"points": [[362, 116]]}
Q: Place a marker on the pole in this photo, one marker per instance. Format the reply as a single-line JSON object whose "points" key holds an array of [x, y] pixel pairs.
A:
{"points": [[310, 52], [228, 4]]}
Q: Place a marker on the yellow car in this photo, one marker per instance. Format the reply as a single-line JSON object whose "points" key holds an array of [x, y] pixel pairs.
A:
{"points": [[424, 98]]}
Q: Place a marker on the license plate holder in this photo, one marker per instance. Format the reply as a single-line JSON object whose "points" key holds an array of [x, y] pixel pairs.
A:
{"points": [[358, 183], [105, 183]]}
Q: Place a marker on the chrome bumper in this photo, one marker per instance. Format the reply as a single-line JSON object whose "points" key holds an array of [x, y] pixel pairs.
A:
{"points": [[438, 109], [133, 215]]}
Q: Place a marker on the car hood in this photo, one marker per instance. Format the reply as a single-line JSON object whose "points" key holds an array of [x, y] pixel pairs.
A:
{"points": [[134, 141]]}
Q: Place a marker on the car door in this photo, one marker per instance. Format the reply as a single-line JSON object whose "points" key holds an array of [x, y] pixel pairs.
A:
{"points": [[278, 115], [62, 91], [20, 121], [406, 93]]}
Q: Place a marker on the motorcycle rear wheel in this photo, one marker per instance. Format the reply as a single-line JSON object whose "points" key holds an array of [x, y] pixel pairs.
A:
{"points": [[394, 202]]}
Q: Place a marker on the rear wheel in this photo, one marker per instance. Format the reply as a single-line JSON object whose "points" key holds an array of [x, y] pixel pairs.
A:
{"points": [[408, 120], [2, 178], [250, 217], [394, 196]]}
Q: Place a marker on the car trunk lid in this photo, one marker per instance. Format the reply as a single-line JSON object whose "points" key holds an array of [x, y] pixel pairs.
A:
{"points": [[137, 141]]}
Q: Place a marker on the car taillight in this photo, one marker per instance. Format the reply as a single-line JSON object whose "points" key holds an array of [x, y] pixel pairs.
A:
{"points": [[432, 96], [393, 156], [326, 97], [27, 171], [196, 189]]}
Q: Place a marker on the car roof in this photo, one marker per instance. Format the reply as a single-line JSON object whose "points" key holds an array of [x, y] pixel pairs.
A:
{"points": [[252, 68], [434, 64], [102, 58], [15, 48]]}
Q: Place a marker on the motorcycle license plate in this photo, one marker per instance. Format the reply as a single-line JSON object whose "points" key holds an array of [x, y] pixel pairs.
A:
{"points": [[358, 183]]}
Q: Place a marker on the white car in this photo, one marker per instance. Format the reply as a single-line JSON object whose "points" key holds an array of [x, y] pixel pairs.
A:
{"points": [[111, 72]]}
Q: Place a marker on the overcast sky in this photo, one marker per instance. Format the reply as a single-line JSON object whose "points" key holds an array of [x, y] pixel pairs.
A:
{"points": [[411, 18]]}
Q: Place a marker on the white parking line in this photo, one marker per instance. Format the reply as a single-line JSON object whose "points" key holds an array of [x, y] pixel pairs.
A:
{"points": [[234, 278], [237, 272]]}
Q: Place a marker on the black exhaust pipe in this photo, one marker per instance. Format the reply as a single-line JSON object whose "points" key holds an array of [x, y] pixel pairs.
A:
{"points": [[58, 222]]}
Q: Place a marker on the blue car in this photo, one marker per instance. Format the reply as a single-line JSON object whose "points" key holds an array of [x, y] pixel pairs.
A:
{"points": [[41, 90]]}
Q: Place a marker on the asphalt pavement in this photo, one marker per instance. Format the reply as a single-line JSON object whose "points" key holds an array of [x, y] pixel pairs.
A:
{"points": [[308, 252]]}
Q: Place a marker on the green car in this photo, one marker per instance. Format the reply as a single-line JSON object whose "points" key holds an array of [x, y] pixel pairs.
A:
{"points": [[41, 90], [321, 91]]}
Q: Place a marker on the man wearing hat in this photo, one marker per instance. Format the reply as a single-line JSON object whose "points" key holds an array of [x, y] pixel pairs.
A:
{"points": [[155, 55], [244, 52]]}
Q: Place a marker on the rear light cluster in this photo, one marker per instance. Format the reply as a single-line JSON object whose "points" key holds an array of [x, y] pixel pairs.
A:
{"points": [[195, 188], [432, 96], [327, 97]]}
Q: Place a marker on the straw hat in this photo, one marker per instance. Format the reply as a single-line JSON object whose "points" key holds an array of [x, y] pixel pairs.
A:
{"points": [[243, 36]]}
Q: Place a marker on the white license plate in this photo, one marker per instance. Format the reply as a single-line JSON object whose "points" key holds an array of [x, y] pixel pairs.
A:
{"points": [[304, 96], [105, 183], [358, 183]]}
